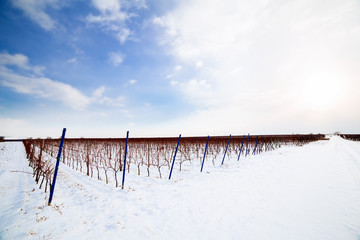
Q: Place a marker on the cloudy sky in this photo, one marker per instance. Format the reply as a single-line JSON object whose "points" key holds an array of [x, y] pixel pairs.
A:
{"points": [[161, 68]]}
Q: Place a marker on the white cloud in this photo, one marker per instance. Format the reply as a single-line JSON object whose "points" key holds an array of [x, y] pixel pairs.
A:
{"points": [[113, 17], [178, 68], [199, 64], [123, 34], [159, 21], [36, 11], [196, 90], [138, 3], [38, 86], [253, 56], [72, 61], [127, 113], [174, 82], [113, 102], [20, 61], [98, 93], [119, 101], [116, 58], [45, 88], [98, 97], [107, 5], [132, 81]]}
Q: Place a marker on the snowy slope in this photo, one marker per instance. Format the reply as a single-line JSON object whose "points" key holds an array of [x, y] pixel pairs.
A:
{"points": [[309, 192]]}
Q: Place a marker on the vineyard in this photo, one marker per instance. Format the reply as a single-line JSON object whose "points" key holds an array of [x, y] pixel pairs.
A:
{"points": [[250, 187], [152, 157], [353, 137]]}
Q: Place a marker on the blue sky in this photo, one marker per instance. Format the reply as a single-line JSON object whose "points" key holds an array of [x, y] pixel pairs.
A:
{"points": [[161, 68]]}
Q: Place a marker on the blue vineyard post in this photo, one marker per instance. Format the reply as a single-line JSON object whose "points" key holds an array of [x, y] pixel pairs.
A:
{"points": [[227, 145], [57, 167], [242, 144], [172, 165], [202, 164], [124, 168], [247, 145], [257, 137]]}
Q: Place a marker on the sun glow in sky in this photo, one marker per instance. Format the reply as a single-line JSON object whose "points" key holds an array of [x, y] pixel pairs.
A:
{"points": [[322, 91], [161, 68]]}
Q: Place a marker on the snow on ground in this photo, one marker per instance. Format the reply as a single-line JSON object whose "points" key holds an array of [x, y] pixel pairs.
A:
{"points": [[309, 192]]}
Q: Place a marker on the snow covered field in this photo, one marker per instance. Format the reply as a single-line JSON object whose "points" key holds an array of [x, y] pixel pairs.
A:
{"points": [[309, 192]]}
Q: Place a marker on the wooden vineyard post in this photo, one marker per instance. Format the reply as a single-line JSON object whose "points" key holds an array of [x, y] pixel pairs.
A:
{"points": [[56, 167], [172, 165], [202, 164], [227, 145], [124, 168]]}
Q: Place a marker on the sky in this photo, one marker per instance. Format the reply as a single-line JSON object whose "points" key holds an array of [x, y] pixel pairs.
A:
{"points": [[194, 67]]}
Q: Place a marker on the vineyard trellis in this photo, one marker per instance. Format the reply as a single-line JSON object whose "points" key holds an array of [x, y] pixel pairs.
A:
{"points": [[353, 137], [102, 158]]}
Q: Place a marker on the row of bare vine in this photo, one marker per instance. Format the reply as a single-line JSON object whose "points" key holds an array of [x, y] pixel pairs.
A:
{"points": [[104, 158]]}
